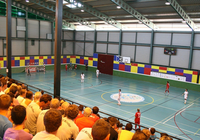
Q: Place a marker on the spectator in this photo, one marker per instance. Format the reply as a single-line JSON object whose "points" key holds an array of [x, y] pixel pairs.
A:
{"points": [[64, 106], [18, 115], [94, 116], [37, 96], [20, 98], [165, 138], [33, 110], [55, 103], [126, 134], [80, 114], [13, 89], [5, 102], [152, 135], [52, 121], [100, 130], [28, 99], [14, 101], [69, 129], [146, 132], [113, 133], [139, 135], [3, 86], [85, 121]]}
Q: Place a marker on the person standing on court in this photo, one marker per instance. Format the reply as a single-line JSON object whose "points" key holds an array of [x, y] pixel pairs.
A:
{"points": [[82, 77], [97, 73], [137, 118], [119, 97], [167, 87], [185, 95]]}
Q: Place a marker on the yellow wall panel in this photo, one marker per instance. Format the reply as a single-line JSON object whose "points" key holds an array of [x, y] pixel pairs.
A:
{"points": [[134, 69], [22, 63], [90, 62]]}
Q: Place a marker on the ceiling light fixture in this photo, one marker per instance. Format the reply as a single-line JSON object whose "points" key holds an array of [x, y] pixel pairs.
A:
{"points": [[82, 10], [167, 3], [27, 0], [118, 7]]}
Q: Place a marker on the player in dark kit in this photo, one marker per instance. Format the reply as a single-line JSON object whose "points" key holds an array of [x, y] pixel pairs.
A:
{"points": [[28, 72]]}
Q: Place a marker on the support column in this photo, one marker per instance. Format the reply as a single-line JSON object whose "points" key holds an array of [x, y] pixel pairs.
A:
{"points": [[57, 52], [151, 47], [74, 37], [120, 43], [95, 41], [26, 34], [191, 50], [52, 32], [8, 37]]}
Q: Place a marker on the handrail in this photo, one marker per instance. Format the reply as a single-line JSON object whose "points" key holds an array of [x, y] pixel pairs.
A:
{"points": [[72, 102]]}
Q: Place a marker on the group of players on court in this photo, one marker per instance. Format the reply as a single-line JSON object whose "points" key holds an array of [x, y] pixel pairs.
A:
{"points": [[185, 94]]}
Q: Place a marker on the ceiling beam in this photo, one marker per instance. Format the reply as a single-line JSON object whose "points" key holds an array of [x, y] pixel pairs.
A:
{"points": [[66, 14], [182, 14], [38, 13], [134, 13], [96, 13]]}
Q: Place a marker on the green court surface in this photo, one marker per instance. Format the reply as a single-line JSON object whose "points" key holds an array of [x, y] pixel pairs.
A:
{"points": [[166, 113]]}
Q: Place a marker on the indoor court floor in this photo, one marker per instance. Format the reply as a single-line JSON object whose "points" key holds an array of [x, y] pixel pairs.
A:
{"points": [[166, 113]]}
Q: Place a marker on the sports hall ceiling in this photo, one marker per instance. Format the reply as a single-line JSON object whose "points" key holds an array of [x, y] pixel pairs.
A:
{"points": [[156, 11]]}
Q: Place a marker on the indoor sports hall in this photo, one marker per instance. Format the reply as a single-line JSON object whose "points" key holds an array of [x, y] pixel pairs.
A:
{"points": [[150, 49]]}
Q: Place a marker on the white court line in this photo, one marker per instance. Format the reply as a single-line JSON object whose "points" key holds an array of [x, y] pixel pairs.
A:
{"points": [[178, 113]]}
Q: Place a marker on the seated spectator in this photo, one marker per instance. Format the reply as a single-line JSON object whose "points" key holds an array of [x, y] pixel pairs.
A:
{"points": [[63, 107], [100, 130], [165, 138], [94, 117], [139, 135], [80, 114], [119, 127], [69, 129], [55, 103], [3, 86], [19, 88], [153, 135], [113, 133], [126, 134], [18, 115], [5, 102], [52, 121], [33, 110], [21, 97], [37, 96], [85, 134], [85, 121], [14, 101], [28, 99], [146, 132], [13, 89]]}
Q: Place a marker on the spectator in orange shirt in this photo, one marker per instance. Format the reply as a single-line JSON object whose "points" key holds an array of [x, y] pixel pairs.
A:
{"points": [[94, 117], [85, 121]]}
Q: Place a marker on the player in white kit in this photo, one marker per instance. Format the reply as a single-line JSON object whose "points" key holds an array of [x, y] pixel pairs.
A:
{"points": [[97, 73], [119, 97], [82, 77], [185, 95]]}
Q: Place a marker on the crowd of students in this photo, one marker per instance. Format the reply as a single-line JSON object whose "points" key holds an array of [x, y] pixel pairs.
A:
{"points": [[26, 116]]}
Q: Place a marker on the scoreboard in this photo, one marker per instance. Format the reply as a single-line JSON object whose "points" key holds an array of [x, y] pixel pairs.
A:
{"points": [[170, 50]]}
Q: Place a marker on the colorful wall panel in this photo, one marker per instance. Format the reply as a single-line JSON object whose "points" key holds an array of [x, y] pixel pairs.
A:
{"points": [[191, 76]]}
